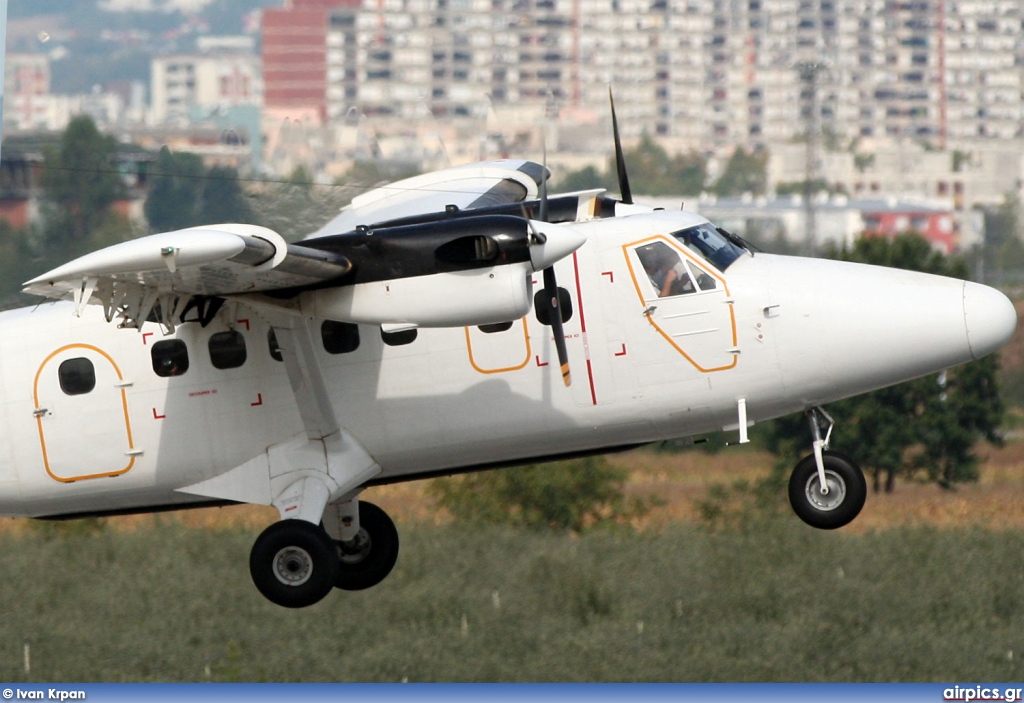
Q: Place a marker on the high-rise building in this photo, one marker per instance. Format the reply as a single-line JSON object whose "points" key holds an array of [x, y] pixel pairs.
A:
{"points": [[295, 58], [706, 73]]}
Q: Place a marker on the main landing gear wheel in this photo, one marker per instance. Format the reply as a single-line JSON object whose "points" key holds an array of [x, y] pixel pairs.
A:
{"points": [[847, 490], [294, 563], [369, 558]]}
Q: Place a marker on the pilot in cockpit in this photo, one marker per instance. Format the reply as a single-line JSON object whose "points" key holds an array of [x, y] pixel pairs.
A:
{"points": [[666, 270]]}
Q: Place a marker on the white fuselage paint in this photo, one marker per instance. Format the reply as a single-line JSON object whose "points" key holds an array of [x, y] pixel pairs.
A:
{"points": [[783, 334]]}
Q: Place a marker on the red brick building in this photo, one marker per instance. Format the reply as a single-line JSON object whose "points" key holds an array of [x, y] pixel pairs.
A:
{"points": [[295, 57]]}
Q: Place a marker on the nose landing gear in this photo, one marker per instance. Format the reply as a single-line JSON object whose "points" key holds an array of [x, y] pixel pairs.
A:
{"points": [[826, 489]]}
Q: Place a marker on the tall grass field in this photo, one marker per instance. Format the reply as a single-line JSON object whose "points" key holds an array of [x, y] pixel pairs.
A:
{"points": [[774, 601]]}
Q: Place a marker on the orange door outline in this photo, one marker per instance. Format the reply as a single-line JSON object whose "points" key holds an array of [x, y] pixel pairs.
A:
{"points": [[39, 416], [526, 359], [626, 248]]}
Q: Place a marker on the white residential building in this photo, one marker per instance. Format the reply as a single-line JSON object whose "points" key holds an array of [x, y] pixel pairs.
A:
{"points": [[180, 83]]}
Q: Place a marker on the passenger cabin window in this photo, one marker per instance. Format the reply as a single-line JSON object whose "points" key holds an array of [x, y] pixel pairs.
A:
{"points": [[77, 376], [339, 337], [711, 244], [400, 338], [170, 358], [543, 310], [227, 349]]}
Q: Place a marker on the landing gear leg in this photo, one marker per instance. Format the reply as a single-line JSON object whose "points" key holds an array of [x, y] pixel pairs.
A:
{"points": [[827, 490], [366, 540]]}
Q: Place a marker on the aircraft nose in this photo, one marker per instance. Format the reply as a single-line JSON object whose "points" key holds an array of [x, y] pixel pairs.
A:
{"points": [[989, 317]]}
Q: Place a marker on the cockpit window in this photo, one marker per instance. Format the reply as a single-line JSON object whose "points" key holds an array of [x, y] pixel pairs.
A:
{"points": [[665, 267], [711, 244]]}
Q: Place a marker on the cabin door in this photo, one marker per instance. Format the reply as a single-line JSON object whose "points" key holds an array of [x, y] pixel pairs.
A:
{"points": [[686, 301], [81, 414]]}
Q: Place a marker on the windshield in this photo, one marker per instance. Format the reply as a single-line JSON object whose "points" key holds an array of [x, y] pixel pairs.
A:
{"points": [[711, 244]]}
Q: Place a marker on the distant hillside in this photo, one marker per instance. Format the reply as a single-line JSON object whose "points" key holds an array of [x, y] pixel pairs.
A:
{"points": [[91, 46]]}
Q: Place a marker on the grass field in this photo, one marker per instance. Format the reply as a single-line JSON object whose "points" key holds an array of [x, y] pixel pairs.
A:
{"points": [[926, 585], [779, 602]]}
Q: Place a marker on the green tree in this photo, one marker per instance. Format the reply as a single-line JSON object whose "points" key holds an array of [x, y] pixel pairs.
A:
{"points": [[572, 495], [175, 191], [585, 178], [653, 172], [923, 428], [745, 172], [223, 199], [1002, 254], [817, 185], [79, 182]]}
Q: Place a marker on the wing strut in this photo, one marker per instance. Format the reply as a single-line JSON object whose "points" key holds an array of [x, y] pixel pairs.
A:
{"points": [[322, 465]]}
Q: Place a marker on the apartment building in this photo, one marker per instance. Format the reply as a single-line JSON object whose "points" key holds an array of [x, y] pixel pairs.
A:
{"points": [[181, 83], [26, 91], [705, 73]]}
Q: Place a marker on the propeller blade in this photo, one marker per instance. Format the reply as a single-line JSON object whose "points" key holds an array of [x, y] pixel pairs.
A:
{"points": [[549, 250], [620, 159], [555, 312]]}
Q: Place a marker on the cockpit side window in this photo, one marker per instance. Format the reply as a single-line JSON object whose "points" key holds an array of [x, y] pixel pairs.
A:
{"points": [[704, 280], [665, 267], [710, 244]]}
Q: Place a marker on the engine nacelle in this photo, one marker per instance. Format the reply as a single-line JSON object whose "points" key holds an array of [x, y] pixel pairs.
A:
{"points": [[451, 299]]}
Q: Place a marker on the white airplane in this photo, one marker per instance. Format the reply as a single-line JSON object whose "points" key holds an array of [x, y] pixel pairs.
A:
{"points": [[428, 330]]}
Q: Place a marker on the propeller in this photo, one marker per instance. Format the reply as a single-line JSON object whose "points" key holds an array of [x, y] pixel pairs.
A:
{"points": [[620, 159], [551, 300]]}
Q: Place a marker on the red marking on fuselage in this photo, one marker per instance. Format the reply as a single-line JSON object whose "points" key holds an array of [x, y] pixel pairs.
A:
{"points": [[610, 275], [156, 416], [144, 340], [539, 363], [623, 352], [259, 400], [244, 322], [583, 328]]}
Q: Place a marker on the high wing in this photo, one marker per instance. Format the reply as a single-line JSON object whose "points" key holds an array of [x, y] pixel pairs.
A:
{"points": [[376, 240], [166, 271]]}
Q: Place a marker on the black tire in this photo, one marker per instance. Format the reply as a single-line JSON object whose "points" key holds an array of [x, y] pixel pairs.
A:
{"points": [[376, 552], [294, 563], [847, 491]]}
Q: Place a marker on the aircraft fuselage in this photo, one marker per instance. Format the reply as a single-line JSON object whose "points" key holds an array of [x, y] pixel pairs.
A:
{"points": [[763, 337]]}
